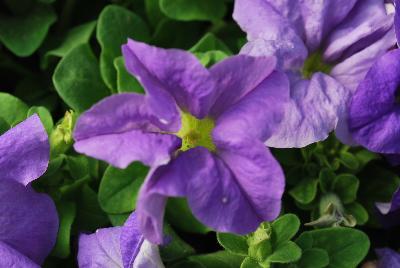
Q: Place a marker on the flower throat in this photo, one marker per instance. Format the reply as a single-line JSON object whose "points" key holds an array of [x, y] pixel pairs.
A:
{"points": [[314, 64], [196, 132]]}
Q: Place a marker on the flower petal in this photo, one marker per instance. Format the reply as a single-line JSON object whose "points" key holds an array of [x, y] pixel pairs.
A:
{"points": [[366, 24], [236, 77], [312, 113], [24, 151], [131, 240], [374, 117], [320, 17], [388, 258], [216, 197], [259, 112], [122, 149], [148, 257], [174, 71], [397, 20], [123, 128], [28, 220], [100, 249], [9, 257]]}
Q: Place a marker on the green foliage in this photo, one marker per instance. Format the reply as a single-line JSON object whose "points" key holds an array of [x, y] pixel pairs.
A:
{"points": [[77, 79], [187, 10]]}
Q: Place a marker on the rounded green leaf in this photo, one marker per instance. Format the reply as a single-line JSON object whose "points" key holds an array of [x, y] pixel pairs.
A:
{"points": [[12, 109], [125, 81], [346, 247], [115, 25], [4, 126], [284, 228], [119, 188], [286, 252], [313, 258], [305, 191], [77, 79], [234, 243], [357, 211], [346, 187], [25, 33], [187, 10]]}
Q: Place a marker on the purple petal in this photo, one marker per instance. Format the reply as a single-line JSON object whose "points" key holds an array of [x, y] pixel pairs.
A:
{"points": [[312, 113], [290, 53], [320, 17], [237, 76], [28, 220], [216, 197], [270, 33], [149, 257], [174, 71], [397, 19], [389, 213], [24, 151], [122, 149], [352, 71], [388, 258], [374, 117], [9, 257], [259, 112], [366, 24], [131, 240], [101, 249], [123, 128]]}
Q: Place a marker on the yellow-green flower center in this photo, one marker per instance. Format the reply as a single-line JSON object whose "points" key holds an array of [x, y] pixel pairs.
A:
{"points": [[315, 63], [196, 132]]}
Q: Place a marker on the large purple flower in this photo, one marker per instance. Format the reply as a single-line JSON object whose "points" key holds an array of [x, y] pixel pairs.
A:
{"points": [[325, 47], [388, 258], [374, 117], [201, 131], [28, 220], [117, 247]]}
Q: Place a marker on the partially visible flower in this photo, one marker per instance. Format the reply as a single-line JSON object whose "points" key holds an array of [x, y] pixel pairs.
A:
{"points": [[389, 213], [326, 48], [118, 247], [202, 133], [28, 220], [388, 258]]}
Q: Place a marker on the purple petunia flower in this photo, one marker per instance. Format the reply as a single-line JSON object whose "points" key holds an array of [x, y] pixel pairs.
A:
{"points": [[28, 220], [202, 133], [118, 247], [374, 117], [326, 48]]}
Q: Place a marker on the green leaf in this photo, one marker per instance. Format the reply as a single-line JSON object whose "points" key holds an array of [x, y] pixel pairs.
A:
{"points": [[45, 117], [119, 188], [66, 213], [346, 187], [180, 216], [326, 179], [4, 126], [358, 212], [286, 252], [233, 243], [12, 109], [210, 42], [125, 81], [119, 219], [349, 160], [78, 166], [188, 10], [284, 228], [129, 25], [346, 247], [77, 79], [76, 36], [153, 11], [177, 249], [305, 191], [25, 33], [250, 263], [313, 258], [220, 259]]}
